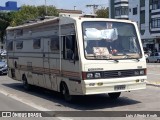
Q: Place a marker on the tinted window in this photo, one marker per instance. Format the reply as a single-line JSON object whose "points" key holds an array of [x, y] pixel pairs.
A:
{"points": [[134, 11], [19, 32], [10, 46], [156, 54], [70, 47], [36, 43], [54, 43], [19, 44]]}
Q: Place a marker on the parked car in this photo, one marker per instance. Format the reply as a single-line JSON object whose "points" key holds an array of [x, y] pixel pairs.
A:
{"points": [[4, 53], [146, 54], [3, 68], [154, 57]]}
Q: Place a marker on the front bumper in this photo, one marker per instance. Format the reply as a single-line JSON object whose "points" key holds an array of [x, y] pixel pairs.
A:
{"points": [[3, 71], [108, 85]]}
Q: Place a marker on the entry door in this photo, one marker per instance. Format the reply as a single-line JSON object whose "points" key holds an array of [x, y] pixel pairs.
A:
{"points": [[48, 65], [70, 63]]}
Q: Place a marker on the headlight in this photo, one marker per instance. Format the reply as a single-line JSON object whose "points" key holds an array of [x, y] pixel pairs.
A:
{"points": [[141, 72], [97, 75], [89, 75]]}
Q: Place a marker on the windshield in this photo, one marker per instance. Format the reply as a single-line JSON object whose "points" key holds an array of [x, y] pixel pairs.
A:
{"points": [[110, 40]]}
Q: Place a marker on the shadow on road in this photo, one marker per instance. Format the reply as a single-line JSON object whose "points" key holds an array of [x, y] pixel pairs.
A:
{"points": [[92, 102]]}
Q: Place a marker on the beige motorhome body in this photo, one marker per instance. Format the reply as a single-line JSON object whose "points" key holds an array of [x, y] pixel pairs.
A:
{"points": [[51, 54]]}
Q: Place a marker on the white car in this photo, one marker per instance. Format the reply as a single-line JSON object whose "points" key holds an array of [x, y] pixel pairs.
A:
{"points": [[4, 53], [3, 68], [154, 57]]}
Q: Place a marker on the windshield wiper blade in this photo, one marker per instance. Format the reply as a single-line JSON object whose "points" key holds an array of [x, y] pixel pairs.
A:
{"points": [[129, 56]]}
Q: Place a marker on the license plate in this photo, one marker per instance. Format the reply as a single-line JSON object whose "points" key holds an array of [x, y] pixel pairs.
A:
{"points": [[119, 87]]}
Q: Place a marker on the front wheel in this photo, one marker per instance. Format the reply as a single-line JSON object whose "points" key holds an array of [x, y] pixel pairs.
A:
{"points": [[114, 95]]}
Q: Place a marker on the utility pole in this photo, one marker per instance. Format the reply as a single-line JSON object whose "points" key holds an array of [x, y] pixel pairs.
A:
{"points": [[46, 6], [94, 7]]}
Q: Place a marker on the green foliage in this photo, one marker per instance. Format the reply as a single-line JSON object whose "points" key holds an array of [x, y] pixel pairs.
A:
{"points": [[27, 13], [3, 26], [5, 19], [51, 11], [103, 13]]}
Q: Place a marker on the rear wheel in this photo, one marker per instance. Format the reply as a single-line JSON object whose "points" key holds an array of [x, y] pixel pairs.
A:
{"points": [[114, 95], [65, 93], [26, 86]]}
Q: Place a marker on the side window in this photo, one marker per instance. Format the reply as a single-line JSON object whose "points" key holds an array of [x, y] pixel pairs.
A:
{"points": [[54, 43], [37, 43], [135, 11], [156, 54], [152, 54], [19, 32], [70, 50], [10, 46], [70, 42], [19, 44]]}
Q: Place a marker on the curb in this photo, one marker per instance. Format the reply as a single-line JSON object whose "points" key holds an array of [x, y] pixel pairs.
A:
{"points": [[155, 84], [151, 84]]}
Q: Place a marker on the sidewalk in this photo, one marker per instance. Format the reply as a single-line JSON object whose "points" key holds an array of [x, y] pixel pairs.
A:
{"points": [[153, 74]]}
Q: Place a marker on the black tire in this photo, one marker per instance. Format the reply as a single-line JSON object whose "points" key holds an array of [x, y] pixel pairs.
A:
{"points": [[147, 60], [114, 95], [26, 86], [65, 93]]}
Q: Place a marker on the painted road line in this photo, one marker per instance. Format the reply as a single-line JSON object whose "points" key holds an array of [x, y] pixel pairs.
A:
{"points": [[29, 103]]}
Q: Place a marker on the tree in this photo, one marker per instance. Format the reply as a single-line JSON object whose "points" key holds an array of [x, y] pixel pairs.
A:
{"points": [[27, 13], [5, 19], [51, 11], [103, 13]]}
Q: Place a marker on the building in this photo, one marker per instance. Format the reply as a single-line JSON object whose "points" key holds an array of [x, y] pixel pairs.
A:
{"points": [[147, 15], [119, 9], [9, 6], [68, 13]]}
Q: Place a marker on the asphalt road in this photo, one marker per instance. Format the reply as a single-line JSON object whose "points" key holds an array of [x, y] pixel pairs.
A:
{"points": [[153, 73], [14, 97]]}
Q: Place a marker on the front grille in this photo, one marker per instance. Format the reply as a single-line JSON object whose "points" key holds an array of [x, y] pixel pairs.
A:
{"points": [[120, 73]]}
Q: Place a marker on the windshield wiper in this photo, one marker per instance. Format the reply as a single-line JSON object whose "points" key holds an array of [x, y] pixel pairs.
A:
{"points": [[130, 56]]}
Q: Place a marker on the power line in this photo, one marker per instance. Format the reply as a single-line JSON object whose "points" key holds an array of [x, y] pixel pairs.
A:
{"points": [[46, 7]]}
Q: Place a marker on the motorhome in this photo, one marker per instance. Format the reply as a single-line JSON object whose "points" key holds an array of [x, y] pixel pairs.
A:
{"points": [[77, 56]]}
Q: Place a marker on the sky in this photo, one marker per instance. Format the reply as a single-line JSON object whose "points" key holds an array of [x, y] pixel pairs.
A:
{"points": [[63, 4]]}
